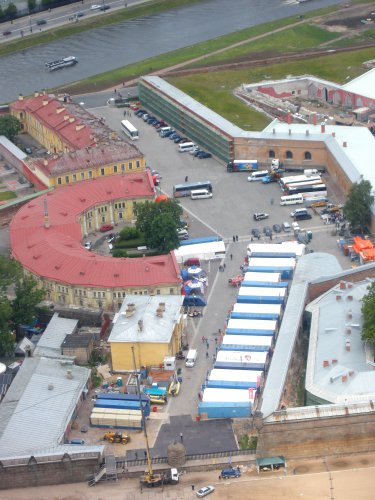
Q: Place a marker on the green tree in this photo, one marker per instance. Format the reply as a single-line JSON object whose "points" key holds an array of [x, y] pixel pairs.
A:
{"points": [[368, 312], [11, 11], [31, 4], [6, 338], [357, 208], [28, 296], [159, 223], [10, 272], [10, 126], [2, 15]]}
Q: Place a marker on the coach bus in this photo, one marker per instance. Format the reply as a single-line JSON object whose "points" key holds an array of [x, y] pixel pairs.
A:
{"points": [[185, 189], [295, 179], [129, 130], [309, 191]]}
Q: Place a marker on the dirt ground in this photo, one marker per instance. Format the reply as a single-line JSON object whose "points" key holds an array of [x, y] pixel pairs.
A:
{"points": [[344, 478]]}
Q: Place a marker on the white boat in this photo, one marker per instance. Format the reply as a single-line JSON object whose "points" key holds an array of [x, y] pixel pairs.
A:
{"points": [[61, 63]]}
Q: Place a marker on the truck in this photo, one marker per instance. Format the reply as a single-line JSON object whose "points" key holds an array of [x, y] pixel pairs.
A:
{"points": [[151, 480], [242, 166], [273, 176]]}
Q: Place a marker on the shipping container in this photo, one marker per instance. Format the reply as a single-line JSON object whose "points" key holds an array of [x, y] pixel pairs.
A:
{"points": [[246, 342], [230, 384], [286, 249], [261, 295], [252, 376], [251, 327], [110, 403], [225, 410], [268, 277], [256, 311], [213, 395], [278, 265], [235, 360], [202, 251], [264, 284], [121, 396]]}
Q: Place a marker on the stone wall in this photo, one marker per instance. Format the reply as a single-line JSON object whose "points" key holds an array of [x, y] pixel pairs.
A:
{"points": [[46, 471], [318, 437]]}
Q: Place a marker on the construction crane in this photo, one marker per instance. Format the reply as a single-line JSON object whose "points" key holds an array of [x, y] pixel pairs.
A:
{"points": [[151, 479]]}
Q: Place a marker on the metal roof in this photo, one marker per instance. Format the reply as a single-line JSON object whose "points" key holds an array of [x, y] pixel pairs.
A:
{"points": [[12, 148], [339, 367], [149, 318], [51, 340], [309, 267], [39, 405], [363, 85]]}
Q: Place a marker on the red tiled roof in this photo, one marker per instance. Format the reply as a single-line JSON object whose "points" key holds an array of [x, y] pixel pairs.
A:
{"points": [[93, 157], [56, 253]]}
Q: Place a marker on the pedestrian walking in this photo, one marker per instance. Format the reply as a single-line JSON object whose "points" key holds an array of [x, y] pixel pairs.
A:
{"points": [[231, 256], [220, 477], [136, 455], [203, 339], [234, 239], [215, 340], [207, 344], [224, 265], [192, 487], [181, 437], [206, 354], [186, 178]]}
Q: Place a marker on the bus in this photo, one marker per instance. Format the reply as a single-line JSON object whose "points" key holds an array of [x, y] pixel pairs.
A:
{"points": [[295, 179], [129, 130], [309, 191], [185, 189], [302, 184], [293, 199], [242, 166]]}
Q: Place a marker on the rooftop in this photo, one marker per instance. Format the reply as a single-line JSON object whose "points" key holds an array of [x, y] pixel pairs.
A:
{"points": [[57, 252], [340, 367], [145, 318], [50, 341], [12, 148], [77, 340], [363, 85], [38, 407]]}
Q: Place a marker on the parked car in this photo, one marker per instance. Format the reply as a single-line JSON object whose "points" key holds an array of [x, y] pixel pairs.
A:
{"points": [[95, 7], [203, 154], [295, 227], [183, 139], [106, 227], [194, 150], [177, 139], [79, 14], [28, 150], [267, 231], [183, 224], [6, 33], [40, 22], [276, 228], [260, 216], [173, 136], [206, 490], [76, 441], [286, 227], [167, 134], [230, 472], [145, 117], [302, 216], [105, 7], [140, 112], [88, 245], [255, 232], [182, 234]]}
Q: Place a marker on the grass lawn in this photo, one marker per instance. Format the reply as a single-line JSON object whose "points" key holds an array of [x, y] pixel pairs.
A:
{"points": [[364, 37], [214, 89], [7, 195]]}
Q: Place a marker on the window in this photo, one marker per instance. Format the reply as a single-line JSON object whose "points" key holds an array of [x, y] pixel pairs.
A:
{"points": [[67, 179], [138, 164], [115, 169], [288, 155], [119, 305], [157, 292], [103, 220], [81, 302], [114, 295], [120, 216], [271, 153], [82, 176], [102, 171], [100, 304], [307, 155], [122, 168], [130, 165], [90, 174], [59, 180], [74, 178], [171, 291]]}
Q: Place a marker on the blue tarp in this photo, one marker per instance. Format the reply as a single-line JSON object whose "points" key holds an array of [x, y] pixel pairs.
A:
{"points": [[225, 410]]}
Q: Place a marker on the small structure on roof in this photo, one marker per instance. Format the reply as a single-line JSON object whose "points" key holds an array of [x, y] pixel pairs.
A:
{"points": [[270, 463]]}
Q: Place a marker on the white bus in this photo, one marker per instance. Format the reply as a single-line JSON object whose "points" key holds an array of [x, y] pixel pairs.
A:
{"points": [[293, 199], [302, 184], [129, 130], [295, 179]]}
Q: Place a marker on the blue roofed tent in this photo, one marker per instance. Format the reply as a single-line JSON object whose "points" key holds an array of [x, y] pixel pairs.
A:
{"points": [[270, 463]]}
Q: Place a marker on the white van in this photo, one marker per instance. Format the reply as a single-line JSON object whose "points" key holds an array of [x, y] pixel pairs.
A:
{"points": [[186, 146], [200, 194], [191, 358], [257, 176], [164, 130]]}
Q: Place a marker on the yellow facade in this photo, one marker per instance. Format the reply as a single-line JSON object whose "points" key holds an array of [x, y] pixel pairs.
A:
{"points": [[146, 353]]}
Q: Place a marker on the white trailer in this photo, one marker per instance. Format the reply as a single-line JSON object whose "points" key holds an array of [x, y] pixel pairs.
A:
{"points": [[248, 340], [251, 325], [202, 251]]}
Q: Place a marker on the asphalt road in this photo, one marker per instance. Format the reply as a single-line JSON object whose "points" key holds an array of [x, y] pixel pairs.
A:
{"points": [[228, 213]]}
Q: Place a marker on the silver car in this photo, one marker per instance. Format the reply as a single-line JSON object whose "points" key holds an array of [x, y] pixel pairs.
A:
{"points": [[206, 490]]}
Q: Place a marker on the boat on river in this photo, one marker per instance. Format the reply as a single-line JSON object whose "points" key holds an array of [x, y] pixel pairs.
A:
{"points": [[61, 63]]}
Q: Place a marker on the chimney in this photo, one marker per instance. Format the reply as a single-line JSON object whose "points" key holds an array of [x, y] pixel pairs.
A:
{"points": [[45, 102], [315, 119], [290, 131], [60, 110], [323, 128], [36, 94], [46, 217], [307, 132], [274, 131], [20, 97], [72, 119]]}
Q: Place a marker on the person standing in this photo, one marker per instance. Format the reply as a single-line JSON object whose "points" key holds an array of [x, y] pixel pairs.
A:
{"points": [[234, 239], [186, 178], [231, 256]]}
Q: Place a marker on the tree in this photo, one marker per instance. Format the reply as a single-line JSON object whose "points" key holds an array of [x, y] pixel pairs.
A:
{"points": [[10, 126], [6, 338], [368, 312], [159, 223], [28, 296], [11, 11], [10, 272], [357, 208], [31, 4]]}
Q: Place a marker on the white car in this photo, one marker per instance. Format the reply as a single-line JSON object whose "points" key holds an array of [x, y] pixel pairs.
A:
{"points": [[95, 7], [88, 245], [206, 490], [295, 227]]}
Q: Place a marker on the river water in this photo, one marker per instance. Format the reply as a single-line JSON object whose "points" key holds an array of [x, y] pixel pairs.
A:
{"points": [[120, 44]]}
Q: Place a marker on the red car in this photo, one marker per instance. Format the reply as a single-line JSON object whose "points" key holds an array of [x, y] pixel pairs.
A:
{"points": [[106, 227]]}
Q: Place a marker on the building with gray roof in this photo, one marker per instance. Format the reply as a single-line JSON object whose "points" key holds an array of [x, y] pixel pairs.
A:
{"points": [[54, 335], [39, 407], [340, 366]]}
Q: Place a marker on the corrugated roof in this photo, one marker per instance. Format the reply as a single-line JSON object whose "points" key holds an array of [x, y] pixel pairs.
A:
{"points": [[153, 327], [12, 148], [57, 253], [309, 267], [363, 85], [38, 406], [52, 338]]}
